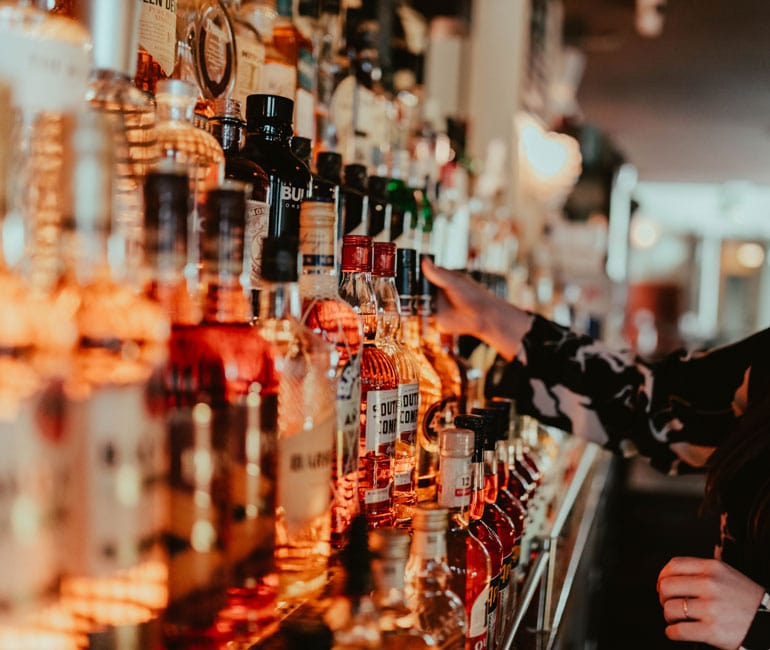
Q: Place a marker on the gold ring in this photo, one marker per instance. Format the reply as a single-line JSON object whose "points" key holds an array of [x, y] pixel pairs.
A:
{"points": [[684, 608]]}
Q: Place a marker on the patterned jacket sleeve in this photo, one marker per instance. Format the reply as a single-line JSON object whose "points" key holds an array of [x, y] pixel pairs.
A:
{"points": [[674, 411]]}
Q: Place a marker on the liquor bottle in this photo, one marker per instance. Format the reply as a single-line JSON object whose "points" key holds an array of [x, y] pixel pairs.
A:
{"points": [[114, 25], [404, 212], [302, 148], [480, 528], [379, 388], [408, 373], [250, 53], [497, 518], [355, 201], [399, 624], [327, 314], [328, 165], [469, 559], [197, 151], [427, 459], [156, 54], [306, 429], [329, 42], [380, 208], [424, 199], [227, 127], [439, 609], [268, 137]]}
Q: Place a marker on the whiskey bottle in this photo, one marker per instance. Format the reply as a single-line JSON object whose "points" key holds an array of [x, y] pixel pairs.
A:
{"points": [[379, 388], [380, 208], [355, 201], [429, 420], [399, 624], [156, 55], [469, 557], [327, 314], [306, 429], [408, 371], [439, 609]]}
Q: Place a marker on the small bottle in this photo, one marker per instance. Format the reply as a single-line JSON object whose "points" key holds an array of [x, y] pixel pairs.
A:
{"points": [[380, 208], [355, 201], [327, 314], [156, 55], [379, 388], [429, 415], [408, 370], [399, 624], [307, 426], [440, 610]]}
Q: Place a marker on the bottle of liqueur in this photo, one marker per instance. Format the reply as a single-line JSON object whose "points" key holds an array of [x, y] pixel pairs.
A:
{"points": [[119, 512], [399, 623], [307, 426], [404, 213], [268, 140], [407, 366], [379, 388], [250, 54], [197, 151], [228, 129], [427, 458], [327, 314], [328, 165], [424, 198], [302, 148], [355, 201], [440, 610], [156, 55], [380, 208], [114, 25], [468, 557]]}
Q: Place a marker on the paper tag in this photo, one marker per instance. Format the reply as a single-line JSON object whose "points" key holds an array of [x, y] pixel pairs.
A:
{"points": [[454, 483], [381, 421], [251, 61], [157, 32], [257, 218], [408, 407], [378, 495], [477, 624]]}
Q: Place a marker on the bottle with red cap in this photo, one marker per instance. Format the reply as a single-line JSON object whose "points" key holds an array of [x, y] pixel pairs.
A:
{"points": [[379, 388], [389, 340]]}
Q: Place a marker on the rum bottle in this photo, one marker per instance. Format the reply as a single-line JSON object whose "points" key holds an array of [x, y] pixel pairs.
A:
{"points": [[327, 314], [379, 389]]}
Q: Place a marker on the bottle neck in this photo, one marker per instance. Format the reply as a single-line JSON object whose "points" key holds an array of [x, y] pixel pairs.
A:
{"points": [[279, 300], [389, 580], [477, 495], [357, 290], [229, 134], [428, 550], [175, 109], [274, 133], [389, 312], [501, 450], [491, 485], [410, 331]]}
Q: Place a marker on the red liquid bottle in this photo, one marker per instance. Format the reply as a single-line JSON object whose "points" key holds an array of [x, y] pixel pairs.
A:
{"points": [[379, 389]]}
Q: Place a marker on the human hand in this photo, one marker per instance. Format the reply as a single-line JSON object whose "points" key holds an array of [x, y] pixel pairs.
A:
{"points": [[707, 601]]}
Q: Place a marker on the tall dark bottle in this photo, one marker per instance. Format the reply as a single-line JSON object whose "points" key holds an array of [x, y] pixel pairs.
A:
{"points": [[380, 208], [355, 202], [268, 143], [328, 166]]}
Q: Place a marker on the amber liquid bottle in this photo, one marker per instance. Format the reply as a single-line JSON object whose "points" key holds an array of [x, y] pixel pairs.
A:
{"points": [[327, 314], [379, 389]]}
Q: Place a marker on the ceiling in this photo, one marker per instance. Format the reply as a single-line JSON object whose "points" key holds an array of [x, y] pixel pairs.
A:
{"points": [[690, 105]]}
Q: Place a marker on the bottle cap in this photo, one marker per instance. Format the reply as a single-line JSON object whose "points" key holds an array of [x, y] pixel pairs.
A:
{"points": [[280, 259], [456, 442], [269, 108], [114, 27], [227, 107], [321, 191], [355, 176], [406, 271], [384, 265], [425, 287], [302, 148], [492, 419], [328, 164], [357, 253], [475, 423], [390, 543], [504, 407], [377, 187], [430, 517]]}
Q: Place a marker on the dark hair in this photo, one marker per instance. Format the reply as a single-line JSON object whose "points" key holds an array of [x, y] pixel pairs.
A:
{"points": [[739, 484]]}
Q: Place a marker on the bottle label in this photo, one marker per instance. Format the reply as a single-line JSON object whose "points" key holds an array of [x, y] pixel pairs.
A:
{"points": [[516, 556], [494, 594], [257, 217], [377, 496], [215, 52], [477, 620], [439, 416], [349, 414], [157, 32], [403, 480], [278, 79], [428, 544], [44, 74], [317, 237], [381, 421], [251, 60], [408, 407], [454, 487]]}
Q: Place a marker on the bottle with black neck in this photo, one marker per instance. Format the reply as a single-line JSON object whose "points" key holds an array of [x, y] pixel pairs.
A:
{"points": [[380, 208], [302, 147], [328, 165], [355, 201]]}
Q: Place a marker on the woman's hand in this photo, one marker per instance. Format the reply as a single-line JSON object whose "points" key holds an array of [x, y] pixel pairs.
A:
{"points": [[466, 307], [707, 601]]}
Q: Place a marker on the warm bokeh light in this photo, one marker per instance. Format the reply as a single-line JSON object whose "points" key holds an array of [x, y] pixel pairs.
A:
{"points": [[750, 255]]}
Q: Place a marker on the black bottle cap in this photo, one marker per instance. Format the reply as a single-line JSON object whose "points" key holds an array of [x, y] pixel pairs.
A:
{"points": [[477, 424], [425, 286], [280, 259], [302, 148], [355, 176], [328, 164], [504, 407], [492, 419], [356, 559], [321, 191], [406, 271], [269, 108], [378, 187]]}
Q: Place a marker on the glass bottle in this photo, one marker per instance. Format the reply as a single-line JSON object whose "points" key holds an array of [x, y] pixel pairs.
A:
{"points": [[250, 53], [306, 428], [355, 201], [197, 151], [228, 129], [404, 213], [380, 208], [439, 609], [399, 624], [329, 42], [408, 372], [156, 55], [429, 418], [268, 138], [379, 388], [470, 561], [327, 314], [114, 25], [328, 165]]}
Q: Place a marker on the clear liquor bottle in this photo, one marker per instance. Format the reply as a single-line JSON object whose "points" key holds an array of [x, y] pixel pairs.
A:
{"points": [[306, 429], [407, 366], [156, 54], [399, 624], [327, 314], [379, 392], [429, 415], [439, 609]]}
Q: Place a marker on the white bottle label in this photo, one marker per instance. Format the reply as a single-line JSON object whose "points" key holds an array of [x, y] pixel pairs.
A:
{"points": [[349, 414], [278, 79], [257, 214], [381, 421], [477, 623], [304, 114], [157, 32], [429, 544], [408, 407], [215, 51], [251, 61], [378, 495], [454, 483], [403, 479]]}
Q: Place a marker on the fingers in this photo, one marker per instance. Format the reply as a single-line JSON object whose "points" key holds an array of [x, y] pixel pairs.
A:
{"points": [[437, 275], [681, 609], [686, 631], [687, 566], [681, 586]]}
